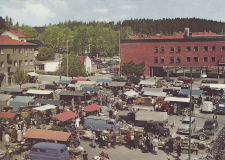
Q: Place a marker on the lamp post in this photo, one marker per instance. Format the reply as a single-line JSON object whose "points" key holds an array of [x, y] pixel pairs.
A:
{"points": [[190, 111], [67, 59]]}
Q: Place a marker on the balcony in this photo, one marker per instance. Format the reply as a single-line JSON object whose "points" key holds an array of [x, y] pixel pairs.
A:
{"points": [[9, 61]]}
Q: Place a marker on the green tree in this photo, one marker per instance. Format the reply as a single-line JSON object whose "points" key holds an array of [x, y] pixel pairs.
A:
{"points": [[2, 25], [28, 31], [45, 54], [20, 77], [131, 68], [75, 66]]}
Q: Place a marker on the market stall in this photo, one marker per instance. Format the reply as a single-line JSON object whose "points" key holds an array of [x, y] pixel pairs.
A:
{"points": [[65, 116], [40, 93], [48, 101], [20, 101], [7, 115], [13, 91], [45, 107], [92, 109]]}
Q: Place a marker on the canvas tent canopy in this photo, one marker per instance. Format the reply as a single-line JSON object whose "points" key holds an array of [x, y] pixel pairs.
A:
{"points": [[187, 92], [64, 82], [217, 86], [69, 93], [91, 89], [40, 92], [47, 101], [86, 83], [91, 108], [130, 93], [7, 115], [154, 94], [32, 74], [177, 99], [3, 100], [47, 134], [20, 101], [152, 89], [65, 116], [145, 82], [117, 84], [45, 107], [13, 90], [100, 81]]}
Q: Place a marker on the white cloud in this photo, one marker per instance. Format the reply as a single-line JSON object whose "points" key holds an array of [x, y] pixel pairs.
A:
{"points": [[100, 10], [128, 7]]}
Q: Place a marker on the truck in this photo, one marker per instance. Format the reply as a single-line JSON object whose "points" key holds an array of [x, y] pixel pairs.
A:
{"points": [[142, 117]]}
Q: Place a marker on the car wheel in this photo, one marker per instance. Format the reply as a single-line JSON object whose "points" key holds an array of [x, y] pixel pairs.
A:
{"points": [[201, 137]]}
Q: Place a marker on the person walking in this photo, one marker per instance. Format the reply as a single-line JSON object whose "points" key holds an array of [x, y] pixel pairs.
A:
{"points": [[178, 151], [113, 140], [93, 140], [85, 155], [155, 143], [7, 139], [136, 140]]}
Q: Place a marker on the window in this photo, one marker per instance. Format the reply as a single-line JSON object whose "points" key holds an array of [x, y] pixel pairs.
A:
{"points": [[1, 51], [188, 59], [162, 60], [188, 49], [31, 62], [178, 49], [213, 48], [195, 48], [205, 59], [15, 63], [26, 50], [223, 48], [195, 59], [21, 63], [178, 60], [155, 59], [14, 50], [171, 49], [31, 50], [2, 64], [26, 62], [205, 48], [162, 50], [20, 50], [213, 59], [34, 149], [171, 59], [156, 50]]}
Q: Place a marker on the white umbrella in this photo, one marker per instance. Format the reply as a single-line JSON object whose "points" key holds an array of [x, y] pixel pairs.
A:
{"points": [[130, 93]]}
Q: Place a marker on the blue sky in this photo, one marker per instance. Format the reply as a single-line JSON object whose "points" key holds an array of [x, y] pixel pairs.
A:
{"points": [[41, 12]]}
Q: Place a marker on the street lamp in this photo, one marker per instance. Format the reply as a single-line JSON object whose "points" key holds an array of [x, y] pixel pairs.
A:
{"points": [[190, 116]]}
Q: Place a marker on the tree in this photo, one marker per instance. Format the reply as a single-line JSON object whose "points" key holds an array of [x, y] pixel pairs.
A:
{"points": [[131, 68], [20, 77], [28, 31], [2, 25], [45, 54], [75, 66]]}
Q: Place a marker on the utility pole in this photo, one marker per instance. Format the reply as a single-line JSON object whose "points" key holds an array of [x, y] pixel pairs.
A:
{"points": [[190, 112], [67, 59]]}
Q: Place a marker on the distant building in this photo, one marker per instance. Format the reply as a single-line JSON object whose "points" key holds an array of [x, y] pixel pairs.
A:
{"points": [[183, 49], [40, 30], [87, 64], [38, 45], [14, 34], [14, 54]]}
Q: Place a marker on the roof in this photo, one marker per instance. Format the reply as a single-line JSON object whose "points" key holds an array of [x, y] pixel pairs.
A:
{"points": [[177, 99], [47, 101], [91, 89], [37, 42], [40, 29], [64, 82], [82, 58], [145, 82], [153, 93], [38, 92], [98, 117], [6, 40], [117, 84], [47, 134], [69, 93], [104, 80], [7, 115], [86, 82], [187, 92], [45, 107], [49, 145], [65, 116], [92, 107], [20, 101], [18, 34], [152, 89], [4, 97], [12, 90]]}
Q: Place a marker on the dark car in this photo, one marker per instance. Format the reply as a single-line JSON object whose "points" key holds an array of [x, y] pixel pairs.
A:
{"points": [[157, 128], [118, 78], [133, 79], [168, 79], [211, 124]]}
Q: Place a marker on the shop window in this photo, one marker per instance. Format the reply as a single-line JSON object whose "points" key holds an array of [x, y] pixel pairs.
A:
{"points": [[162, 60], [195, 59], [188, 48], [162, 50], [188, 59], [213, 59], [195, 48], [205, 59], [171, 49], [171, 59], [156, 50], [178, 60], [205, 48], [155, 59], [213, 48], [178, 49]]}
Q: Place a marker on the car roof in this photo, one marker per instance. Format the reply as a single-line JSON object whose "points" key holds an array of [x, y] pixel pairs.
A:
{"points": [[210, 120], [49, 145], [188, 118]]}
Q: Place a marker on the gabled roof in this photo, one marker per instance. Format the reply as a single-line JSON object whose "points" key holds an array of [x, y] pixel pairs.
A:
{"points": [[37, 42], [82, 58], [6, 40], [18, 34], [40, 29]]}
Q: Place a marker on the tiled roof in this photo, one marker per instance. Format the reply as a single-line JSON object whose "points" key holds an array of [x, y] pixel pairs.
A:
{"points": [[6, 40], [18, 34], [82, 59]]}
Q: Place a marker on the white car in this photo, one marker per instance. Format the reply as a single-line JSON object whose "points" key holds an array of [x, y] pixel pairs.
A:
{"points": [[115, 57], [104, 72]]}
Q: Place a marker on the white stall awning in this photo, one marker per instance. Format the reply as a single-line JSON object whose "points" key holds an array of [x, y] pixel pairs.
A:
{"points": [[152, 93], [145, 82], [177, 99], [45, 107], [38, 92], [86, 82]]}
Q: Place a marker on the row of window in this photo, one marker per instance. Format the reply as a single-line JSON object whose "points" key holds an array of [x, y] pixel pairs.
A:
{"points": [[188, 49], [18, 64], [20, 50], [188, 59]]}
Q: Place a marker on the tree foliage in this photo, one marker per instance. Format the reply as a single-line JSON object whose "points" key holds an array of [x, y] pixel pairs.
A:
{"points": [[2, 25], [75, 66], [45, 54], [28, 31], [20, 76], [131, 68]]}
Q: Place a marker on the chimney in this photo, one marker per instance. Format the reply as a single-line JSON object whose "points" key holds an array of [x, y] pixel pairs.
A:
{"points": [[186, 32]]}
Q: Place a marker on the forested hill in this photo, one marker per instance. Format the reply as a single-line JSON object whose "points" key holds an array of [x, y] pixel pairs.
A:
{"points": [[168, 26]]}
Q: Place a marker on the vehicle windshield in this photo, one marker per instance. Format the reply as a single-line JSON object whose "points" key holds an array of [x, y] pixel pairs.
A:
{"points": [[185, 122], [208, 123]]}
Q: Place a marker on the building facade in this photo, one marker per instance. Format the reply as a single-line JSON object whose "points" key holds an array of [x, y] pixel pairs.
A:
{"points": [[14, 54], [198, 49], [14, 34]]}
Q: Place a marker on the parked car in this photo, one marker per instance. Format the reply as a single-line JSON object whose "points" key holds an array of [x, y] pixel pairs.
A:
{"points": [[118, 78], [185, 86], [185, 79], [211, 125], [184, 126], [104, 71], [168, 79], [177, 84]]}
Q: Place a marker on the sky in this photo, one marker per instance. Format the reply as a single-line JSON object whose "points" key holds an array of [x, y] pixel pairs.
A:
{"points": [[43, 12]]}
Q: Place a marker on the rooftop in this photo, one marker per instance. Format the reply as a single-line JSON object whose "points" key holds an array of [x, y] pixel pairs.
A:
{"points": [[18, 34], [6, 40]]}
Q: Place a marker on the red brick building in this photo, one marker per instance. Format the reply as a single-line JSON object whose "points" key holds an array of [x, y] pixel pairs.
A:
{"points": [[198, 49]]}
